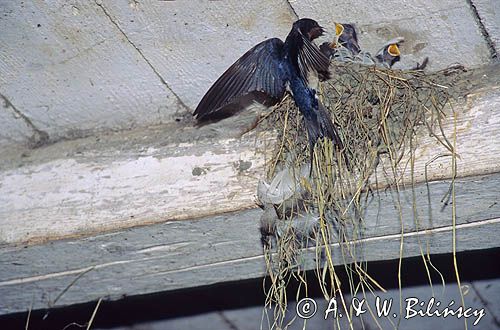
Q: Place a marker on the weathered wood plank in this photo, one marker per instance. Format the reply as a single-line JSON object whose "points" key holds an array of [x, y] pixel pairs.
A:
{"points": [[192, 44], [70, 70], [182, 254], [489, 14], [476, 132], [177, 172], [102, 189]]}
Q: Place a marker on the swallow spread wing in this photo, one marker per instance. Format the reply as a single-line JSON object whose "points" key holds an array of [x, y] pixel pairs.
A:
{"points": [[258, 70], [268, 69]]}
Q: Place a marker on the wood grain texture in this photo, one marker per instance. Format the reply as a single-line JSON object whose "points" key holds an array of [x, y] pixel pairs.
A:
{"points": [[489, 13], [67, 68], [434, 29], [127, 184], [476, 125], [112, 182], [192, 44], [183, 254]]}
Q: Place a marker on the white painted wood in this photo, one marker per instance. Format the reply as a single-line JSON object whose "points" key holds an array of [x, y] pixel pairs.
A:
{"points": [[66, 67], [118, 181], [445, 31], [84, 67], [14, 131], [489, 13], [477, 127], [183, 254], [192, 43], [104, 189]]}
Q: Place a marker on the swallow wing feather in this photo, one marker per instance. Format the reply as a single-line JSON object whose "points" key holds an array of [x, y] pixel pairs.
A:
{"points": [[312, 59], [258, 70]]}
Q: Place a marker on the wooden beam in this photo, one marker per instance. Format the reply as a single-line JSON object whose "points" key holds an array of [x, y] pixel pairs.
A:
{"points": [[174, 172], [118, 181], [182, 254]]}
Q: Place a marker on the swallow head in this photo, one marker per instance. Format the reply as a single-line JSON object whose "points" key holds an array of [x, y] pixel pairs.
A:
{"points": [[309, 27], [339, 29], [347, 37], [390, 53], [393, 50]]}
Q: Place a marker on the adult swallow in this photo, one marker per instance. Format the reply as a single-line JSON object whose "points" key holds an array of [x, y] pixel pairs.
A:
{"points": [[264, 73], [389, 53], [345, 44]]}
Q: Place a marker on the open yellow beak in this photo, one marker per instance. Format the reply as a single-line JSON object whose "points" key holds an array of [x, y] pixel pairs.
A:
{"points": [[393, 50], [339, 29]]}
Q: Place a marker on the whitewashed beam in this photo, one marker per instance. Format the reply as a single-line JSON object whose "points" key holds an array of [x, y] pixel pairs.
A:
{"points": [[71, 72], [181, 172], [123, 181], [477, 124], [184, 254]]}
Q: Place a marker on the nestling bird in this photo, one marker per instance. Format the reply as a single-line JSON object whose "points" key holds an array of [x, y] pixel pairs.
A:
{"points": [[285, 202], [264, 73], [347, 37], [345, 44], [345, 48], [389, 53]]}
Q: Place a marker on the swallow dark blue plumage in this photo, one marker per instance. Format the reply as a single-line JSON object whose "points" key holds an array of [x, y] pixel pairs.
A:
{"points": [[264, 73]]}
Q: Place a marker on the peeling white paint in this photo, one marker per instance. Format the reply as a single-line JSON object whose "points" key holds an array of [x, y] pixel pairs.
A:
{"points": [[67, 196]]}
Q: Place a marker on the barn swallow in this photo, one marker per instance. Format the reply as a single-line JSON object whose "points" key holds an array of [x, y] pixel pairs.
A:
{"points": [[348, 37], [389, 53], [264, 73], [286, 206], [344, 45]]}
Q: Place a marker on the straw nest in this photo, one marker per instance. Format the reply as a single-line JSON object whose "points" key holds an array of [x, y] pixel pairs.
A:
{"points": [[378, 113]]}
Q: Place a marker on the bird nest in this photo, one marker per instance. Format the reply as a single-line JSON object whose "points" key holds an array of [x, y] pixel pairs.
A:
{"points": [[309, 206]]}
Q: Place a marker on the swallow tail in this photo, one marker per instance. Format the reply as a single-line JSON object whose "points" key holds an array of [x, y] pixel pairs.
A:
{"points": [[320, 126]]}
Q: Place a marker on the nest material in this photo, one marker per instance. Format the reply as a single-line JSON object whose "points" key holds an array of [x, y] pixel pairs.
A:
{"points": [[375, 110], [378, 113]]}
